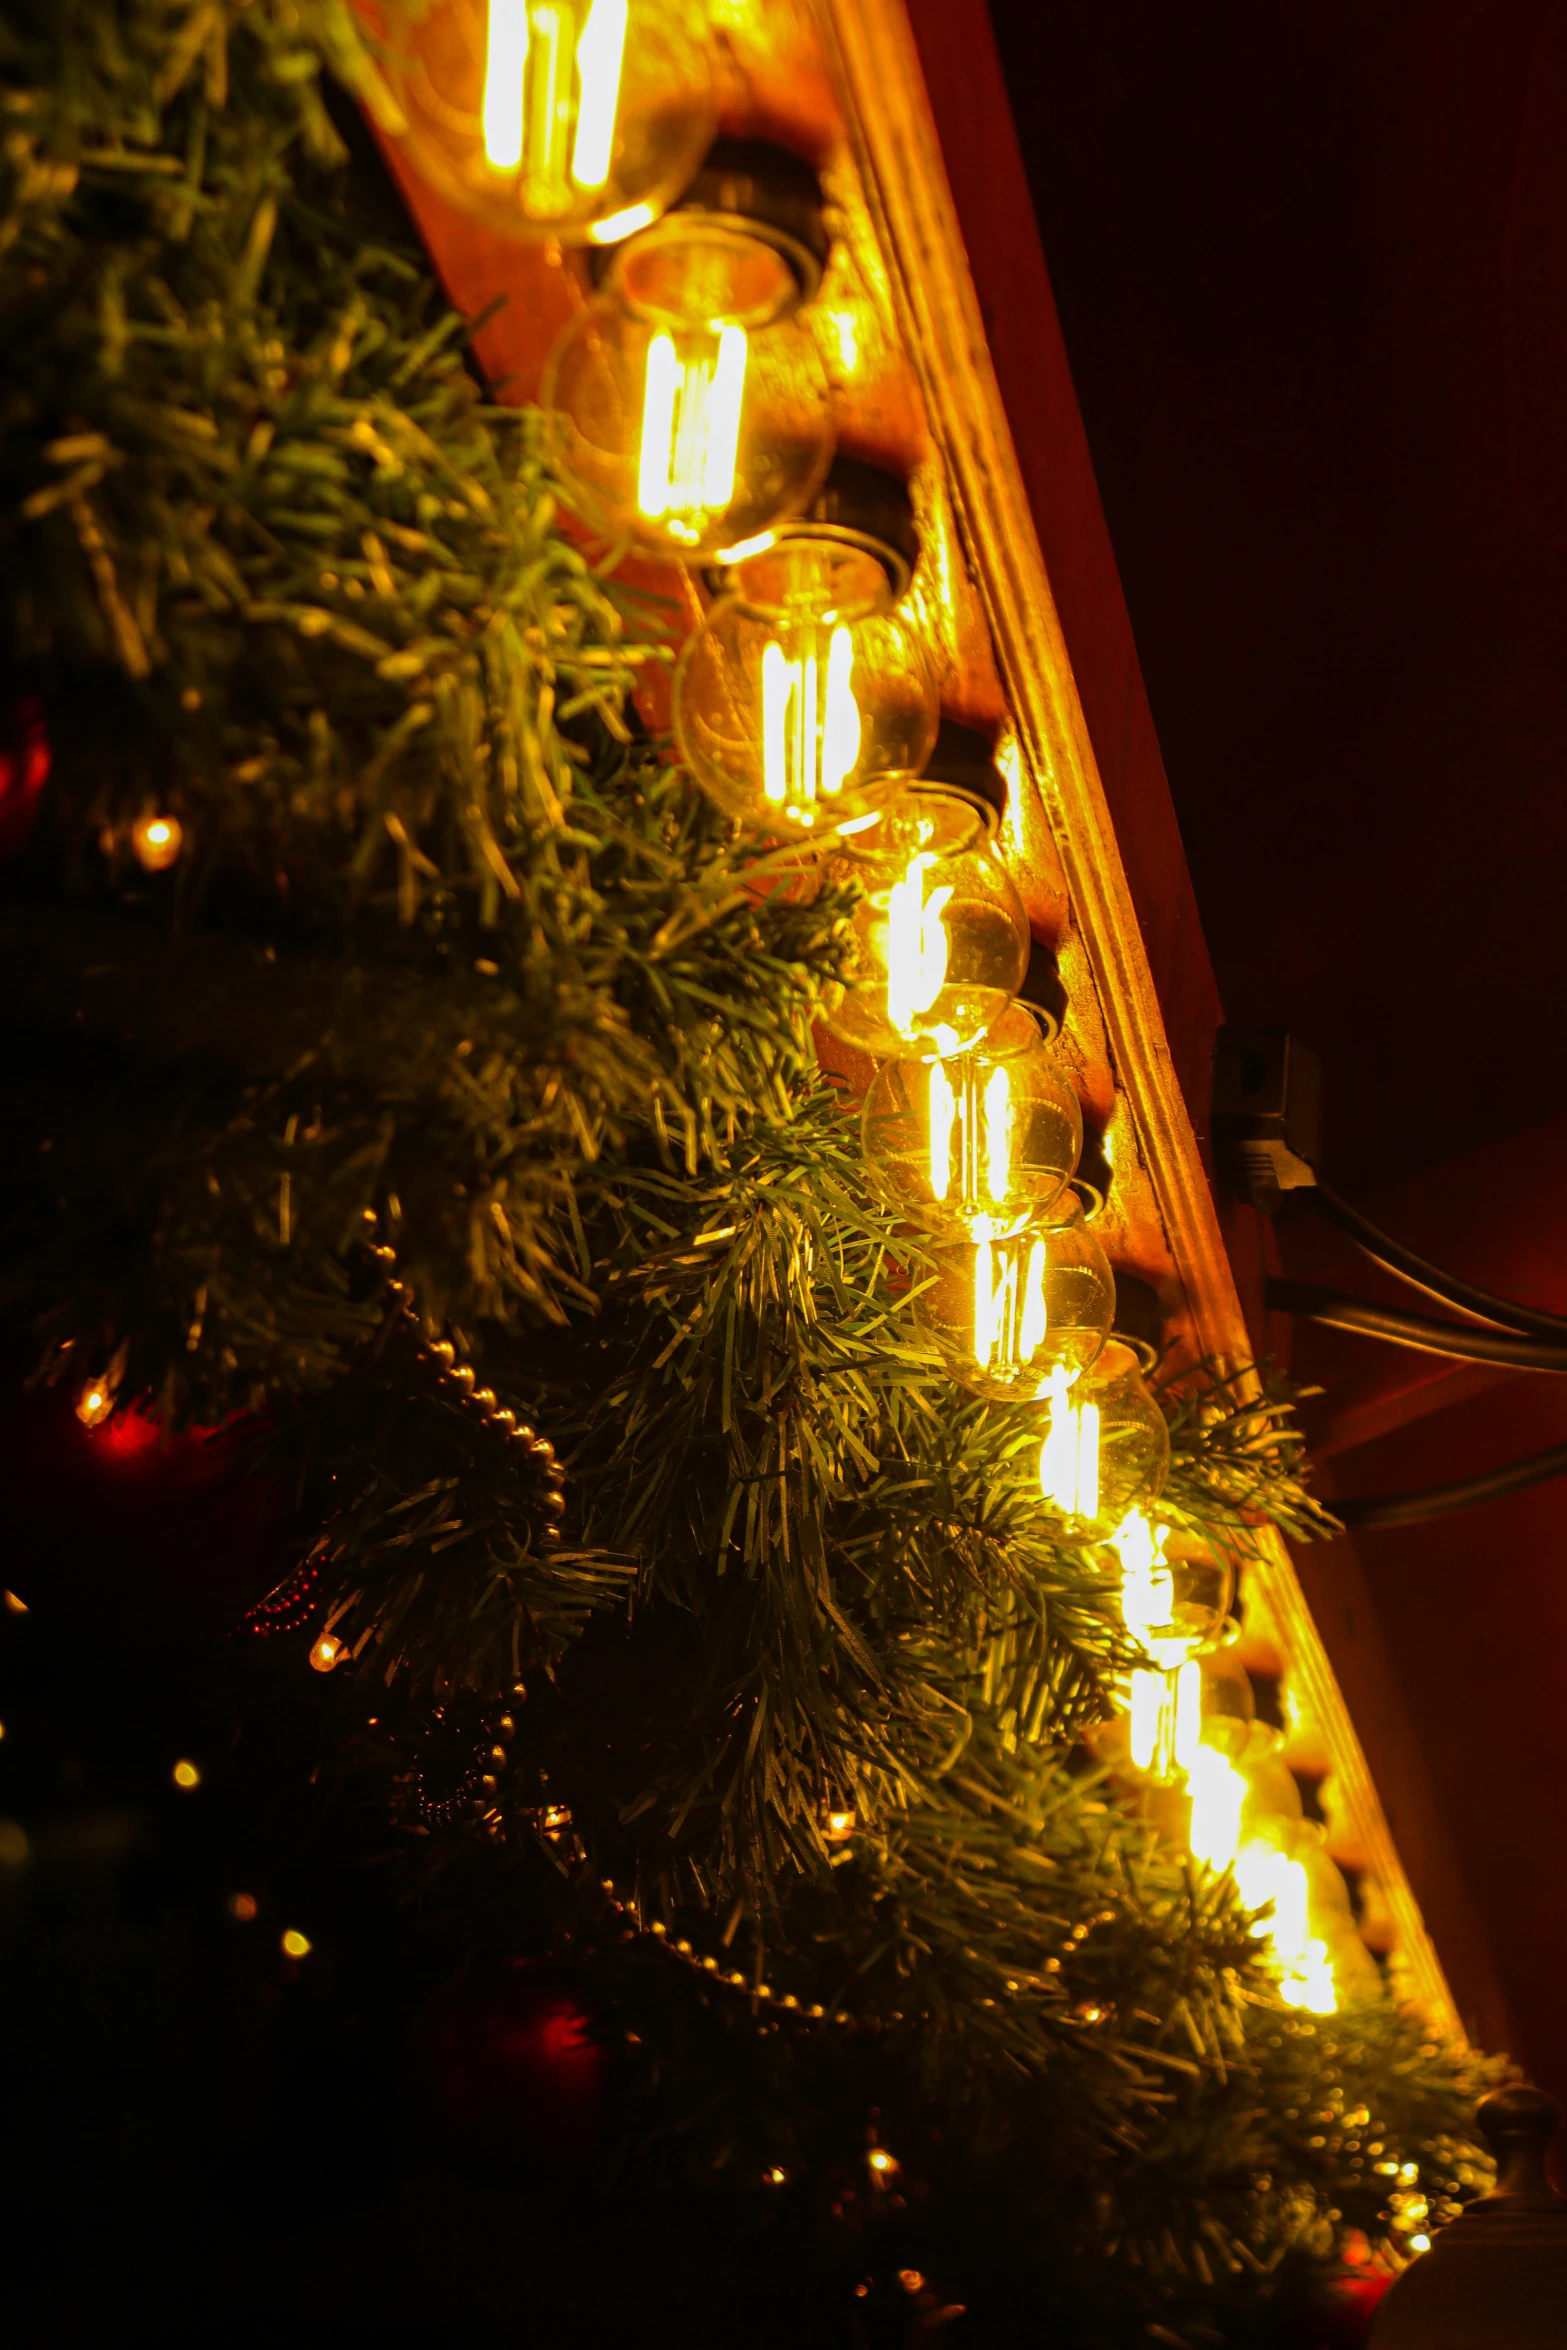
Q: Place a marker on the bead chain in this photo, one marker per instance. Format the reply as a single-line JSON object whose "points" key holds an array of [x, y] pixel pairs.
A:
{"points": [[462, 1376]]}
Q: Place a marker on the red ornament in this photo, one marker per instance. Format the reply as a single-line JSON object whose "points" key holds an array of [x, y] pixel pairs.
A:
{"points": [[24, 770], [117, 1523], [1341, 2319], [512, 2070]]}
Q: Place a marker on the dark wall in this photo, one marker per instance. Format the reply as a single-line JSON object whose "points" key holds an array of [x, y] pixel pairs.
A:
{"points": [[1311, 262]]}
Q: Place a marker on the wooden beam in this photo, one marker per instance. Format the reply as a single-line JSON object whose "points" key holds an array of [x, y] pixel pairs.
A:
{"points": [[902, 159]]}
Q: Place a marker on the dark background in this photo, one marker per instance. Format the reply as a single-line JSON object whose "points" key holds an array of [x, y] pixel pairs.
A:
{"points": [[1311, 269], [1311, 263]]}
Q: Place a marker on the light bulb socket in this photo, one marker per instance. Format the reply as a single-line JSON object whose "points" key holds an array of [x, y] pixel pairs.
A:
{"points": [[965, 760], [858, 505], [868, 507], [1093, 1178], [763, 189], [1139, 1323]]}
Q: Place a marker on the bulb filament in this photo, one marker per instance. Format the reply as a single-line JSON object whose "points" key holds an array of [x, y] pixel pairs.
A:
{"points": [[810, 725], [1069, 1456], [691, 431], [550, 95], [917, 944], [1010, 1316], [1166, 1719], [1147, 1583], [983, 1117], [1264, 1876]]}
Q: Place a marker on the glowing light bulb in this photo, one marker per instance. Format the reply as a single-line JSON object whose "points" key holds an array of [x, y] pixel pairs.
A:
{"points": [[806, 698], [1175, 1589], [1069, 1455], [979, 1142], [294, 1944], [326, 1653], [1218, 1793], [918, 949], [554, 117], [186, 1775], [689, 409], [243, 1906], [1268, 1878], [95, 1403], [980, 1106], [1011, 1308], [156, 842], [938, 940]]}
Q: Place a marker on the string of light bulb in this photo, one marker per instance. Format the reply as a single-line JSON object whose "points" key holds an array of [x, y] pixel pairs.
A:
{"points": [[691, 419]]}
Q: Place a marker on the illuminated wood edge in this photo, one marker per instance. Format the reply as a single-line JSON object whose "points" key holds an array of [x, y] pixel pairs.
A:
{"points": [[893, 134]]}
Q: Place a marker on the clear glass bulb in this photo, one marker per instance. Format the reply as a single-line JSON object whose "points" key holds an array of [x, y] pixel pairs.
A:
{"points": [[1176, 1589], [575, 119], [1106, 1446], [1011, 1310], [1164, 1720], [939, 941], [688, 405], [976, 1141], [804, 699]]}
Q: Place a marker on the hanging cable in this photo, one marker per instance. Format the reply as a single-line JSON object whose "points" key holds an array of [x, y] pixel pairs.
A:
{"points": [[1338, 1312], [1395, 1258], [1442, 1501]]}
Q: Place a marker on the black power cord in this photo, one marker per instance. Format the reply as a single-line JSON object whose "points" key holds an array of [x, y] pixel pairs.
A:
{"points": [[1395, 1258], [1267, 1127], [1442, 1501], [1330, 1306]]}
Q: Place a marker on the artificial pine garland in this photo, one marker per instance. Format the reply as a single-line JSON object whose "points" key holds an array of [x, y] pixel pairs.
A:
{"points": [[464, 1023]]}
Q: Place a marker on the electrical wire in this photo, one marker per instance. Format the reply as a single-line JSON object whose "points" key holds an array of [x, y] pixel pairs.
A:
{"points": [[1395, 1258], [1442, 1501], [1338, 1312]]}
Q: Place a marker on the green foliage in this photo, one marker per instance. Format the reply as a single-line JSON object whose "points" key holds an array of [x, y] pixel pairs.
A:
{"points": [[453, 944]]}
